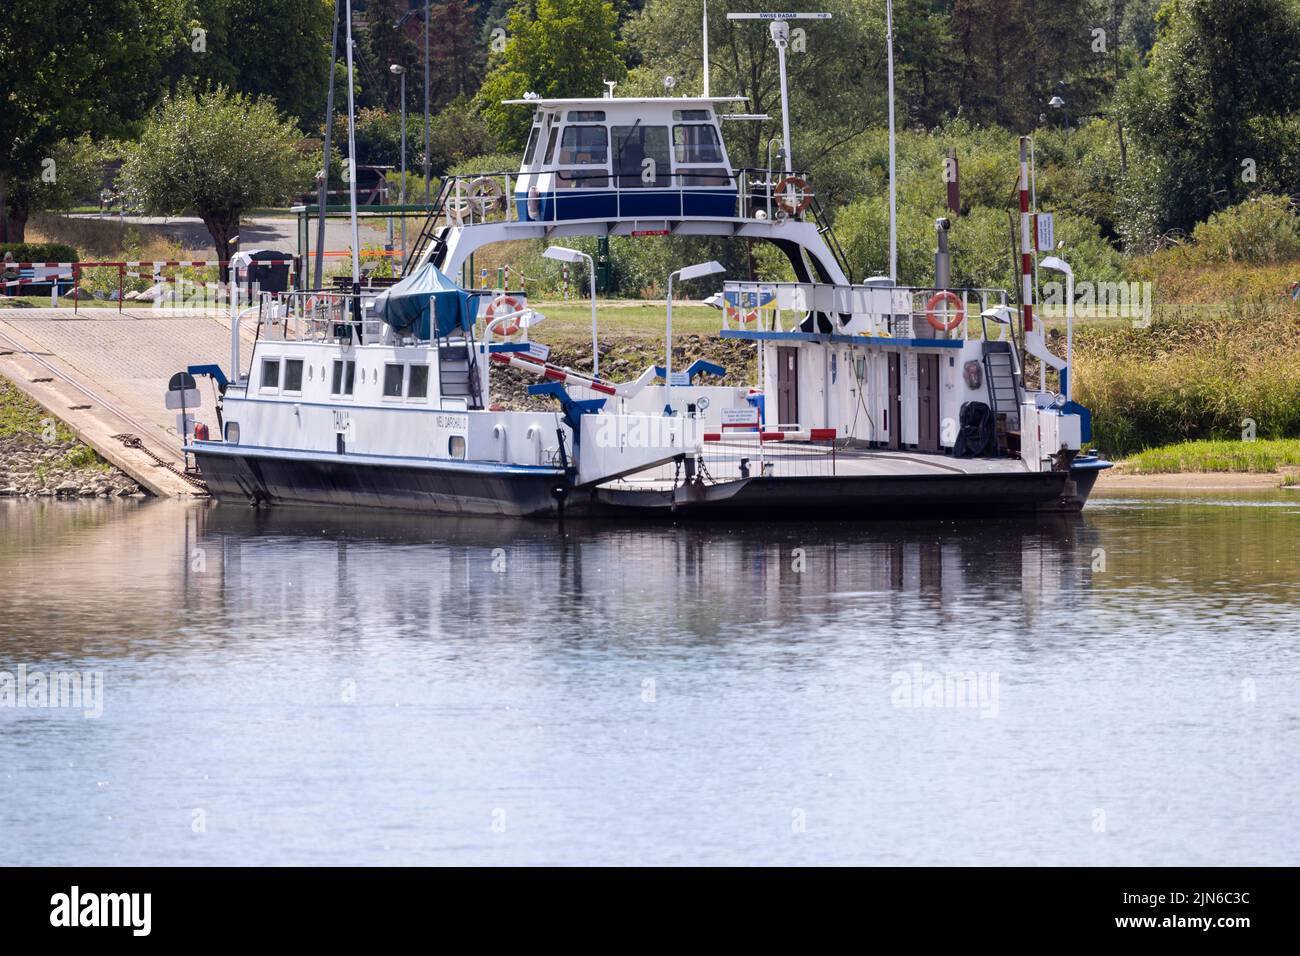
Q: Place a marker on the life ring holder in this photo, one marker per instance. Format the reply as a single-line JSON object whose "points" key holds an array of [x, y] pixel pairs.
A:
{"points": [[783, 200], [486, 194], [956, 316], [510, 304]]}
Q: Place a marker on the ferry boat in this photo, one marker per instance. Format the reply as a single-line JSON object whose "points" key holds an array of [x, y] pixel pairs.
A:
{"points": [[872, 399]]}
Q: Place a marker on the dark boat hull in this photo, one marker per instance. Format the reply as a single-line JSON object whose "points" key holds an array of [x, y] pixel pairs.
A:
{"points": [[429, 488]]}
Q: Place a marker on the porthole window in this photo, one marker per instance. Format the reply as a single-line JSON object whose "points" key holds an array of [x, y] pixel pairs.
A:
{"points": [[232, 432], [456, 446]]}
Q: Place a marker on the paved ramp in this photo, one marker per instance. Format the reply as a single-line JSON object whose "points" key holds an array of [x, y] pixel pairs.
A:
{"points": [[104, 373]]}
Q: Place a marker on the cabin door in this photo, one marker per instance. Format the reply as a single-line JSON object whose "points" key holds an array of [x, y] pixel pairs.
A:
{"points": [[927, 402], [894, 410], [787, 385]]}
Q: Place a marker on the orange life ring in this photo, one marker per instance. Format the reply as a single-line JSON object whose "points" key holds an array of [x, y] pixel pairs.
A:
{"points": [[511, 326], [800, 189], [955, 317]]}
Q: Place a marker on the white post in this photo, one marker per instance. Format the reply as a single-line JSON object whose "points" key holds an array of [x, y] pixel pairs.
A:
{"points": [[668, 348], [780, 35], [595, 350], [352, 157], [1069, 336], [893, 185], [706, 48], [402, 199]]}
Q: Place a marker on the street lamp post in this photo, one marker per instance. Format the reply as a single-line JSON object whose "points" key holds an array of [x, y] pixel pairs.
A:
{"points": [[697, 271], [1060, 265], [562, 254], [400, 71]]}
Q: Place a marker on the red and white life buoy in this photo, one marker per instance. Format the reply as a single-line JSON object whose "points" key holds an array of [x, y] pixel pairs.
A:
{"points": [[955, 316], [505, 304], [792, 195]]}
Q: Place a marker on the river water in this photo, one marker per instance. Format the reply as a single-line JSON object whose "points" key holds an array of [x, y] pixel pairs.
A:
{"points": [[314, 687]]}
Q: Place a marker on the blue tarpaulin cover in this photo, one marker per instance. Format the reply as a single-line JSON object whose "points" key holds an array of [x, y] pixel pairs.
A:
{"points": [[406, 305]]}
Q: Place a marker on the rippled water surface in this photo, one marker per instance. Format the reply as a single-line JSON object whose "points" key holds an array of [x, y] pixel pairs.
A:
{"points": [[314, 687]]}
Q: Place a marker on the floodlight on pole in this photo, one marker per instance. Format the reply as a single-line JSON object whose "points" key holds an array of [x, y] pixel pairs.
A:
{"points": [[1056, 264], [564, 254], [685, 274]]}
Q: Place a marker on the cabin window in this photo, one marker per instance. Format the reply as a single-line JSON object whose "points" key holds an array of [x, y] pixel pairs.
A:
{"points": [[456, 446], [345, 371], [550, 146], [586, 116], [270, 373], [584, 146], [532, 144], [704, 177], [418, 386], [393, 381], [232, 432], [293, 375], [689, 116], [581, 179], [696, 144], [633, 146]]}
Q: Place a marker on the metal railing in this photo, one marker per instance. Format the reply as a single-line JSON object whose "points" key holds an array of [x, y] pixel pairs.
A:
{"points": [[319, 316], [868, 310]]}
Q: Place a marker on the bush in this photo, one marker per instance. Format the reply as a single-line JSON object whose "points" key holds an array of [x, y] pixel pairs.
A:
{"points": [[39, 251], [1262, 230]]}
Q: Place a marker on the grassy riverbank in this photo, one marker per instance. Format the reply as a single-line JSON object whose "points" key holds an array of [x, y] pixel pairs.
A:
{"points": [[1255, 457], [40, 457]]}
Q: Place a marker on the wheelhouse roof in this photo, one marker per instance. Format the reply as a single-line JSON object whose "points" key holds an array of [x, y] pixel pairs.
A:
{"points": [[595, 101]]}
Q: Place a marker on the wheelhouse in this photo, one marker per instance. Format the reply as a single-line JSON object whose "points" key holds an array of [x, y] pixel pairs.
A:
{"points": [[616, 157]]}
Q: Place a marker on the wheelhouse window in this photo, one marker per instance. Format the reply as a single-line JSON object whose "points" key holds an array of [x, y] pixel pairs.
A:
{"points": [[345, 372], [532, 144], [270, 373], [704, 177], [641, 156], [418, 385], [689, 116], [293, 375], [586, 116], [696, 144], [584, 146], [393, 381], [581, 179], [550, 145]]}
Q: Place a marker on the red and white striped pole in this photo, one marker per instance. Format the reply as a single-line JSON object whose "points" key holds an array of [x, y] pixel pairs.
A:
{"points": [[1026, 245]]}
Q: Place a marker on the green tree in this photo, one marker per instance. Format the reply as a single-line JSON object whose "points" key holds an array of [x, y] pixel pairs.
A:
{"points": [[216, 154], [64, 73], [1223, 81], [275, 48], [562, 48]]}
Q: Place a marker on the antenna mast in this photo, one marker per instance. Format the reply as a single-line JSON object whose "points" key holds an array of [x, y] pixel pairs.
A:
{"points": [[893, 185], [706, 48], [352, 158], [779, 27]]}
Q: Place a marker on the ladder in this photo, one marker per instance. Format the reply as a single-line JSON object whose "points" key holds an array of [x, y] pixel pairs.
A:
{"points": [[828, 236], [458, 371], [1002, 377], [432, 234]]}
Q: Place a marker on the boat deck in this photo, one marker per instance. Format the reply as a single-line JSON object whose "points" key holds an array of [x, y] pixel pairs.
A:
{"points": [[723, 462]]}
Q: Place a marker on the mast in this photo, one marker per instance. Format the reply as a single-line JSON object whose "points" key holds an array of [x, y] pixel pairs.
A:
{"points": [[319, 275], [706, 48], [893, 182], [352, 159]]}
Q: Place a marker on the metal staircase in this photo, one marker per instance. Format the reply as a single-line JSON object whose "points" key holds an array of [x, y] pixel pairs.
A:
{"points": [[1002, 377], [431, 233], [458, 375], [828, 236]]}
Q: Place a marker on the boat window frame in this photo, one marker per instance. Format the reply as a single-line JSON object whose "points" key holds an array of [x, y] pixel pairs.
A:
{"points": [[717, 143], [284, 376], [261, 375], [534, 137], [453, 452], [579, 149], [663, 171], [347, 377], [401, 382], [410, 380]]}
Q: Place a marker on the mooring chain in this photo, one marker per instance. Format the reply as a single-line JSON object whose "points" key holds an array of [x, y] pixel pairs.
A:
{"points": [[131, 441]]}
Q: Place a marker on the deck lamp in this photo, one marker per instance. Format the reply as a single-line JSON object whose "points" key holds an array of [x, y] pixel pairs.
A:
{"points": [[563, 254], [697, 271]]}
